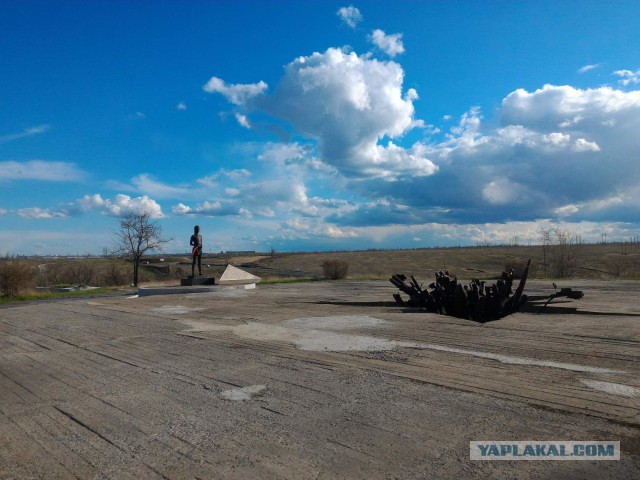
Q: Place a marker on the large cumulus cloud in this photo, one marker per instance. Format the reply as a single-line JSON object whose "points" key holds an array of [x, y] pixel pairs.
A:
{"points": [[354, 106], [559, 152]]}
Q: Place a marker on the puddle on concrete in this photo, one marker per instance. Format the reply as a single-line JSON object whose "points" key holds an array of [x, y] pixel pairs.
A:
{"points": [[612, 388], [175, 309], [318, 334], [245, 393]]}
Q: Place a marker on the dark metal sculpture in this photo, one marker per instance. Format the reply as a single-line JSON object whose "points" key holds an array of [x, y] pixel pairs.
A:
{"points": [[476, 301], [563, 293]]}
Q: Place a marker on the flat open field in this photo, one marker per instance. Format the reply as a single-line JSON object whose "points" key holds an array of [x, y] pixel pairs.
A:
{"points": [[605, 261], [317, 380]]}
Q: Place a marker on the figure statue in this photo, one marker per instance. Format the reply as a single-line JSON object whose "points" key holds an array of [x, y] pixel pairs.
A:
{"points": [[196, 253]]}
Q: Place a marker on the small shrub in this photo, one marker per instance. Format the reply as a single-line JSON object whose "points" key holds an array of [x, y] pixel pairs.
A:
{"points": [[16, 277], [73, 272], [335, 269], [116, 276]]}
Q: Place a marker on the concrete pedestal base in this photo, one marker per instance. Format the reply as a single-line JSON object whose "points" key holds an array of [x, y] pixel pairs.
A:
{"points": [[147, 291], [191, 281]]}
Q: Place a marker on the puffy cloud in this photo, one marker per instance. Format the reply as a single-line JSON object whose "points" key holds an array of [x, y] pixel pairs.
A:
{"points": [[552, 105], [27, 132], [628, 77], [41, 170], [124, 204], [582, 145], [238, 94], [242, 120], [389, 44], [181, 209], [526, 169], [558, 152], [350, 15], [119, 206], [348, 104], [181, 106]]}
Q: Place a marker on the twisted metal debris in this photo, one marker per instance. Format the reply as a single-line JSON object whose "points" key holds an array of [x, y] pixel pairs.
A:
{"points": [[476, 301]]}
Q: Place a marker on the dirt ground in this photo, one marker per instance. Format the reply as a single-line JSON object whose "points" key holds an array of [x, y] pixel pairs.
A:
{"points": [[316, 380]]}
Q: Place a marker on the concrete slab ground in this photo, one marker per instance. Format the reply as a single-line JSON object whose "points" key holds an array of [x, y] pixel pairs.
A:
{"points": [[312, 380]]}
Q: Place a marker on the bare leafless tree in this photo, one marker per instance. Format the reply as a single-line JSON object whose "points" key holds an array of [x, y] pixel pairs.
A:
{"points": [[561, 249], [138, 235]]}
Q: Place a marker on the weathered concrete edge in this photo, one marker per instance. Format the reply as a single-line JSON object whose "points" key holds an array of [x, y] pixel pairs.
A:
{"points": [[147, 291]]}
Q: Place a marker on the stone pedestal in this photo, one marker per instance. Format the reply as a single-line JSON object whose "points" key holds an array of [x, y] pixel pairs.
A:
{"points": [[191, 281]]}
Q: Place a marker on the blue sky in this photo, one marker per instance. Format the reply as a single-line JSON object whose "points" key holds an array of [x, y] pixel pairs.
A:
{"points": [[317, 125]]}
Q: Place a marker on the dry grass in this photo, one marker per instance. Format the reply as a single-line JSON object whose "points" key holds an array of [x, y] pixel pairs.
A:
{"points": [[603, 261], [16, 277], [598, 261]]}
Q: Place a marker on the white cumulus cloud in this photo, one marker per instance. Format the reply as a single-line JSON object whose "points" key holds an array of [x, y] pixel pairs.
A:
{"points": [[390, 44], [349, 103], [350, 15], [242, 120], [120, 205], [238, 94], [582, 145], [181, 209], [526, 169], [628, 77]]}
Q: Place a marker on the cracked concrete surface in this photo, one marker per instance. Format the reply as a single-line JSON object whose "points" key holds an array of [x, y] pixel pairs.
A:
{"points": [[331, 381]]}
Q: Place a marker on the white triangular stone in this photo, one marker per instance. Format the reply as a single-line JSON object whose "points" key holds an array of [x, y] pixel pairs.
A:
{"points": [[234, 275]]}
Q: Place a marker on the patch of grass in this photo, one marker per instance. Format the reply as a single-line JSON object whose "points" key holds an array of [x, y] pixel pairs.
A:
{"points": [[31, 297], [368, 278]]}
